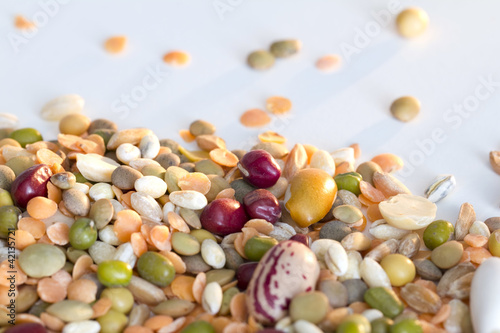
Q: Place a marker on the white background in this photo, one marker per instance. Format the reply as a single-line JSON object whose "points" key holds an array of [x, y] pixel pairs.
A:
{"points": [[442, 68]]}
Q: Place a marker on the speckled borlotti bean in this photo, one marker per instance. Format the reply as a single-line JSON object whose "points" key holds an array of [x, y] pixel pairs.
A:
{"points": [[276, 280]]}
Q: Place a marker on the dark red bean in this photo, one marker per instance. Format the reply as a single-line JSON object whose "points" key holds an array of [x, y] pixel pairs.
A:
{"points": [[304, 239], [259, 168], [223, 217], [244, 274], [27, 328], [30, 183], [262, 204]]}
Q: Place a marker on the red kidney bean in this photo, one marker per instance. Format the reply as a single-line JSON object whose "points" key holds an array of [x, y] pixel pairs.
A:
{"points": [[27, 328], [223, 217], [30, 183], [262, 204], [259, 168], [301, 238], [244, 274]]}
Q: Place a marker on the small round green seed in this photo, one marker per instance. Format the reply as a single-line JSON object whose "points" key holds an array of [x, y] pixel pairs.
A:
{"points": [[185, 244], [156, 269], [114, 273], [82, 234], [112, 322], [9, 216], [405, 108], [257, 246], [121, 298], [261, 60], [26, 136], [437, 233], [199, 326], [407, 326], [447, 255]]}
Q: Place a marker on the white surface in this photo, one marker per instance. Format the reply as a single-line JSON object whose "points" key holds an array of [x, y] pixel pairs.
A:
{"points": [[441, 68]]}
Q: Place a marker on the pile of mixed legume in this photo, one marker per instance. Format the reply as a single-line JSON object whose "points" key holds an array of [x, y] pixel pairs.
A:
{"points": [[116, 230]]}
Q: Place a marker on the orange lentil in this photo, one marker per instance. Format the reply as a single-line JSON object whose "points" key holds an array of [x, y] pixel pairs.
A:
{"points": [[329, 63], [82, 266], [101, 307], [186, 135], [343, 167], [357, 150], [177, 58], [127, 222], [8, 269], [35, 227], [23, 239], [364, 201], [271, 136], [82, 290], [157, 322], [23, 23], [370, 192], [255, 118], [223, 157], [179, 265], [41, 208], [476, 240], [442, 314], [160, 237], [52, 322], [58, 233], [47, 156], [177, 223], [54, 193], [126, 199], [199, 284], [388, 162], [226, 193], [51, 291], [477, 254], [238, 307], [362, 225], [182, 287], [310, 150], [373, 213], [115, 44], [139, 244], [195, 181], [219, 323], [278, 105], [63, 277]]}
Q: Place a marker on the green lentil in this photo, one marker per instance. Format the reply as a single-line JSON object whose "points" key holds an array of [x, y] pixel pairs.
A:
{"points": [[221, 276], [172, 177], [385, 300], [20, 163], [121, 298], [101, 212], [7, 176], [174, 308], [367, 169], [26, 136], [437, 233], [200, 127], [202, 234], [73, 254], [407, 326], [227, 296], [185, 244], [311, 306], [71, 311], [209, 167], [5, 198], [405, 108], [199, 326], [105, 134], [155, 268], [261, 60], [447, 255], [285, 48], [381, 325], [349, 181], [114, 273], [347, 214], [41, 260], [217, 184], [112, 322], [257, 246], [80, 178], [82, 234]]}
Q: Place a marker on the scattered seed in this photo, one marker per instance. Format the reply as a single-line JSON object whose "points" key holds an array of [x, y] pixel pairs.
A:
{"points": [[329, 63], [177, 58], [255, 118], [278, 105]]}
